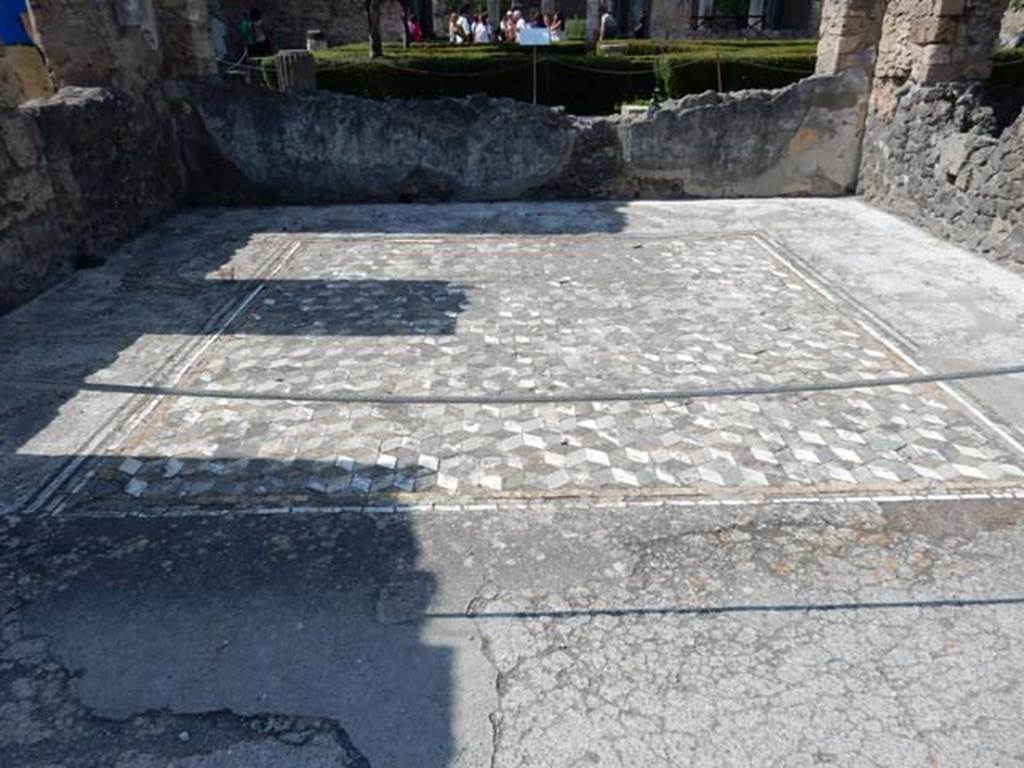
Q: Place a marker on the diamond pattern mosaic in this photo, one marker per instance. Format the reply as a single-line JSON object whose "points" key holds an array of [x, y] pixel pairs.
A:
{"points": [[544, 314]]}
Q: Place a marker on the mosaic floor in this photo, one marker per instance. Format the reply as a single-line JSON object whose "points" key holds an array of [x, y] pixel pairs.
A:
{"points": [[498, 316]]}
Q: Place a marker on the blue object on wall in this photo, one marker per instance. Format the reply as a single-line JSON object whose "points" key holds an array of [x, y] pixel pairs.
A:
{"points": [[12, 31]]}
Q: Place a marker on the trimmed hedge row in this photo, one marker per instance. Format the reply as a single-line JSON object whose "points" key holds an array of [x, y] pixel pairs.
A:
{"points": [[1008, 69], [753, 47], [584, 84], [682, 74]]}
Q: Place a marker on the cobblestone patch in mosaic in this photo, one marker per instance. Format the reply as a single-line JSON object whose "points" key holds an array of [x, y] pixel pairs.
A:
{"points": [[544, 314]]}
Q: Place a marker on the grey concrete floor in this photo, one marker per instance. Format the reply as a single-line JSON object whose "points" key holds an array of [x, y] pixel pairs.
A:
{"points": [[774, 579]]}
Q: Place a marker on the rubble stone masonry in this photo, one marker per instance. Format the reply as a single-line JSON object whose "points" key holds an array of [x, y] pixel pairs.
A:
{"points": [[939, 156]]}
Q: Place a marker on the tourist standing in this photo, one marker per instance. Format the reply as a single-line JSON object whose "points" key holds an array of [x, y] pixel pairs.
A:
{"points": [[415, 30], [454, 30], [519, 22], [465, 32], [558, 28], [482, 32], [640, 30], [256, 35], [609, 27], [508, 28]]}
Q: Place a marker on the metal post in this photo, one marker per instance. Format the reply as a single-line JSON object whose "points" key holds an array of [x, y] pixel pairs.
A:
{"points": [[534, 74]]}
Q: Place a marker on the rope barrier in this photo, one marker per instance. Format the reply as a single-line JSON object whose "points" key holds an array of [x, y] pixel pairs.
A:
{"points": [[517, 399], [1015, 63], [759, 65], [557, 60], [567, 65], [239, 65], [480, 73]]}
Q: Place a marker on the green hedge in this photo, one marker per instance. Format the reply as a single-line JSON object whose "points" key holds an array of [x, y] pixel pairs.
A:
{"points": [[753, 48], [585, 84], [1008, 68], [685, 73]]}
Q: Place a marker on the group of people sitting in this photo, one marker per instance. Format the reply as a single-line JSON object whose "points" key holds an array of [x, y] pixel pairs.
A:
{"points": [[467, 28]]}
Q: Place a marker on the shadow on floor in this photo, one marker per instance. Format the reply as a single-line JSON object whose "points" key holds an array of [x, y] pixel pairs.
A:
{"points": [[315, 616], [304, 616]]}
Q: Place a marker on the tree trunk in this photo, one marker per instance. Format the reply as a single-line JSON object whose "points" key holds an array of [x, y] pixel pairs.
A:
{"points": [[406, 42], [494, 15], [373, 22], [593, 22]]}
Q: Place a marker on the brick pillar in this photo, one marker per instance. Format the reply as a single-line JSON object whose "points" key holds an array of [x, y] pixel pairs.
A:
{"points": [[956, 40], [849, 36]]}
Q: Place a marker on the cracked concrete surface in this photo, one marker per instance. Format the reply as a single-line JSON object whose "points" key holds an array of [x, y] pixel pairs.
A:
{"points": [[847, 628], [864, 633]]}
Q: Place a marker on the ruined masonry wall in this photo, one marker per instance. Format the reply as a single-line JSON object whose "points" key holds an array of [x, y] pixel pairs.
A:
{"points": [[78, 172], [937, 156], [126, 45], [803, 139], [86, 44]]}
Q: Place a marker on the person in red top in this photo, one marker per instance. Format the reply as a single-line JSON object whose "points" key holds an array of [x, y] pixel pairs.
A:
{"points": [[415, 30]]}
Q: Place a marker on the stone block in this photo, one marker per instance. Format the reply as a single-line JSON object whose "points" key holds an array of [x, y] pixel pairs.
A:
{"points": [[851, 26], [936, 30], [316, 40], [949, 7], [850, 45], [21, 137], [296, 71]]}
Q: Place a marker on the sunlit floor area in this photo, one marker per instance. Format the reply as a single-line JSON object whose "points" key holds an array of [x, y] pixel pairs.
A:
{"points": [[533, 484]]}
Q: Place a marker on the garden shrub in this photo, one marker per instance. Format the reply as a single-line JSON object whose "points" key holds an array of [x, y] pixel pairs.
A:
{"points": [[1008, 69], [680, 74], [585, 84]]}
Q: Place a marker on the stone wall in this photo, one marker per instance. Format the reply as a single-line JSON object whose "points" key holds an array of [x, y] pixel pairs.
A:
{"points": [[935, 150], [99, 43], [939, 156], [78, 172], [247, 146], [126, 44]]}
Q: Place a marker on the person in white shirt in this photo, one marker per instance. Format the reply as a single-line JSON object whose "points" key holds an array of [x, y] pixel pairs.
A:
{"points": [[558, 28], [519, 21], [465, 26], [508, 28], [609, 27], [482, 29]]}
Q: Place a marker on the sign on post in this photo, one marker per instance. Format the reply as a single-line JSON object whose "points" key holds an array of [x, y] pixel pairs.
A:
{"points": [[534, 37]]}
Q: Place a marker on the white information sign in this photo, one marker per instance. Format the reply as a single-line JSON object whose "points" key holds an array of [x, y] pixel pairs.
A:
{"points": [[534, 36]]}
